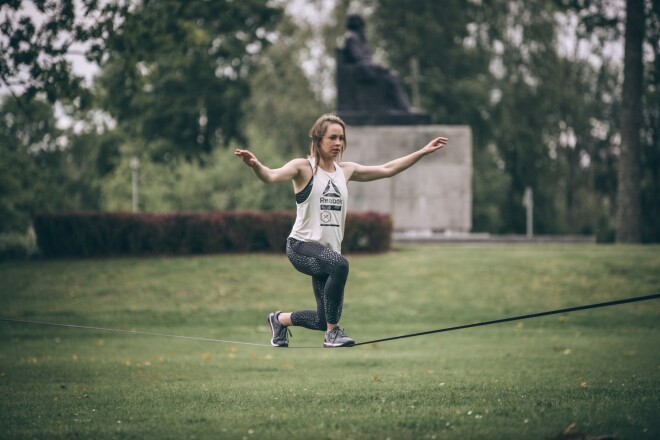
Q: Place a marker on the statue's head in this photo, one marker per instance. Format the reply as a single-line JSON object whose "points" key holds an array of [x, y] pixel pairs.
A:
{"points": [[355, 22]]}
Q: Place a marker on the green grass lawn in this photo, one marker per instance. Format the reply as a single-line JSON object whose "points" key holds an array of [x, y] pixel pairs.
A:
{"points": [[597, 369]]}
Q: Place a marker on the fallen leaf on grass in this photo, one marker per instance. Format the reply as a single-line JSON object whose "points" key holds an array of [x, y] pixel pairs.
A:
{"points": [[570, 434]]}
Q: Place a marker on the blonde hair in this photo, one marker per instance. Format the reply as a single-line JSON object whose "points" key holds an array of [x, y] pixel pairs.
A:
{"points": [[318, 131]]}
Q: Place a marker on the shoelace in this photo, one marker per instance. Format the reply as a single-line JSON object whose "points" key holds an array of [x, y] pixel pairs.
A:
{"points": [[282, 334], [335, 334]]}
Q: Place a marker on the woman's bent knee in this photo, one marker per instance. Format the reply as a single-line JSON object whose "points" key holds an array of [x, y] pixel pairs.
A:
{"points": [[342, 267]]}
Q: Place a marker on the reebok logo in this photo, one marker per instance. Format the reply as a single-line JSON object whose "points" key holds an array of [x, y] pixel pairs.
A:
{"points": [[331, 190]]}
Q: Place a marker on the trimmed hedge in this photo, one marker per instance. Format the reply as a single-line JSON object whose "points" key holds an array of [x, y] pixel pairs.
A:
{"points": [[102, 234]]}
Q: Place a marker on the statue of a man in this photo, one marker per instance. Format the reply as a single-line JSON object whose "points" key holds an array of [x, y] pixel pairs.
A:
{"points": [[356, 52]]}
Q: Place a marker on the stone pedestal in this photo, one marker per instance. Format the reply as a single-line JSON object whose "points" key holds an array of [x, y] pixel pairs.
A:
{"points": [[382, 117], [435, 195]]}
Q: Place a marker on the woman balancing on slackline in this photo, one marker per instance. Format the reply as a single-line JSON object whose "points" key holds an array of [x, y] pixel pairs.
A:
{"points": [[314, 245]]}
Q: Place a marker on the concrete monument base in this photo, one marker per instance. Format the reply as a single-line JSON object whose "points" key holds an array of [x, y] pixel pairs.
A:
{"points": [[435, 195], [389, 118]]}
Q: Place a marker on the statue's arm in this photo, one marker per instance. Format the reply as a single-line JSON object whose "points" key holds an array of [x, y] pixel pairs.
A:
{"points": [[355, 50]]}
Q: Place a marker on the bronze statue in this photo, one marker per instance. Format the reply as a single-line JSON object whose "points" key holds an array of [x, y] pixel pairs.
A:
{"points": [[368, 93]]}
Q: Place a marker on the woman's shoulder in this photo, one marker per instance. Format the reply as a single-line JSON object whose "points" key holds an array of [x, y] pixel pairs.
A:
{"points": [[347, 168], [304, 167], [299, 162]]}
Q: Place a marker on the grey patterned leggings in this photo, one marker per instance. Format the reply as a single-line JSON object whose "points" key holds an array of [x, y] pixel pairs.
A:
{"points": [[329, 271]]}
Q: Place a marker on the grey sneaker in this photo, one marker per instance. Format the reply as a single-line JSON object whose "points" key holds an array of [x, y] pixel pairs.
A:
{"points": [[337, 338], [280, 332]]}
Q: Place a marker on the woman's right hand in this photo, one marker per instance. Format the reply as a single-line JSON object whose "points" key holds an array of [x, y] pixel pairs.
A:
{"points": [[247, 157]]}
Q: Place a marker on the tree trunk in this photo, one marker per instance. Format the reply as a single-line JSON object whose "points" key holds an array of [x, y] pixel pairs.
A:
{"points": [[628, 216]]}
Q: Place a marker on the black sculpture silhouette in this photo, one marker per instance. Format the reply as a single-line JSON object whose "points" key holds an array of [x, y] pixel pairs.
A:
{"points": [[368, 93]]}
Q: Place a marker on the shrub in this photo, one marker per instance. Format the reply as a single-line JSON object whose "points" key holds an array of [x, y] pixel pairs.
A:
{"points": [[97, 234], [367, 232], [15, 246]]}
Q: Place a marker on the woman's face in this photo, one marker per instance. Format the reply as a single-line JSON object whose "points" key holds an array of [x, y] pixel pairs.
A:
{"points": [[333, 142]]}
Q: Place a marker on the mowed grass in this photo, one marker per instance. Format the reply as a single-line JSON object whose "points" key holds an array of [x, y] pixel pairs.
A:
{"points": [[598, 370]]}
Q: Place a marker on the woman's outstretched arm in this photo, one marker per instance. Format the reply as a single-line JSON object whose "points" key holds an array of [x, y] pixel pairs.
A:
{"points": [[367, 173], [289, 171]]}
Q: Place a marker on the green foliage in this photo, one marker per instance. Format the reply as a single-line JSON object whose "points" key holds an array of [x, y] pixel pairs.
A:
{"points": [[282, 106], [650, 138], [219, 181], [15, 246], [17, 172], [27, 142], [176, 75], [455, 77], [540, 119], [455, 81], [36, 47], [186, 82], [45, 168], [491, 184], [522, 380]]}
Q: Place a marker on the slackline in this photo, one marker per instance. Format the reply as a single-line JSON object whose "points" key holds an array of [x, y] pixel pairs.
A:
{"points": [[135, 332], [392, 338], [519, 318]]}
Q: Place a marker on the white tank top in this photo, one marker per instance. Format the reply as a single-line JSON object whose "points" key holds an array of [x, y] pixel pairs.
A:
{"points": [[321, 217]]}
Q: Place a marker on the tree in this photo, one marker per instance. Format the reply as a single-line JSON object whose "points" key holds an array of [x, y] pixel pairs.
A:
{"points": [[28, 141], [44, 167], [282, 105], [540, 117], [37, 52], [281, 108], [637, 162], [176, 73], [628, 216], [454, 50], [650, 171]]}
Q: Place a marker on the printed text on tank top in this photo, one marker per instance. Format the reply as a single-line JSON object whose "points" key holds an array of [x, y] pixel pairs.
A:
{"points": [[321, 208], [331, 200]]}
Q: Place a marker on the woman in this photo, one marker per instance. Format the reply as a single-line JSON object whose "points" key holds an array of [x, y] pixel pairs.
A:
{"points": [[314, 245]]}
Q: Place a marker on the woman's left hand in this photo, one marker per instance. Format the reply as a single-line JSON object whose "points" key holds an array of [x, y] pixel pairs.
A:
{"points": [[434, 145]]}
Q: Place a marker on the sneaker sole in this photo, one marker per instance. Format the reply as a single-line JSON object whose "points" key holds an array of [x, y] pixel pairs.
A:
{"points": [[272, 331], [345, 344]]}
